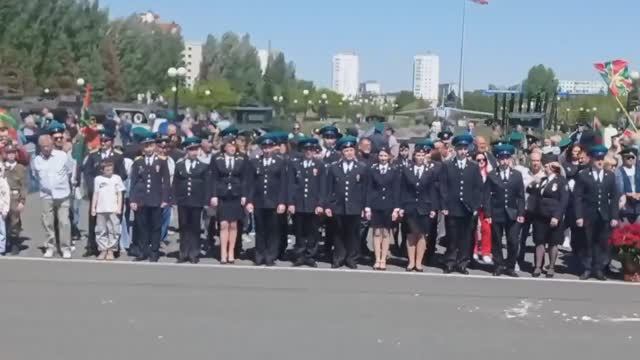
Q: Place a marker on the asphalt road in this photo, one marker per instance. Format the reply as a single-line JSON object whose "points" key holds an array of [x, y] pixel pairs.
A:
{"points": [[76, 310]]}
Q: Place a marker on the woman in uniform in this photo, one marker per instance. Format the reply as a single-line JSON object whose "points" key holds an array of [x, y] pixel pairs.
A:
{"points": [[421, 196], [229, 174], [551, 200], [381, 206]]}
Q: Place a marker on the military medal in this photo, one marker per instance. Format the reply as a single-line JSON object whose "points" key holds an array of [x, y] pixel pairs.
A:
{"points": [[315, 172]]}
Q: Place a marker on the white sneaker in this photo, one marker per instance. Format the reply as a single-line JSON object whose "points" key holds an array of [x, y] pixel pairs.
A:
{"points": [[517, 267], [487, 260], [48, 254], [66, 254], [476, 257]]}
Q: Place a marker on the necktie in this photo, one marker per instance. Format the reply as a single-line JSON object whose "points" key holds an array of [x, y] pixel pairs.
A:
{"points": [[148, 161]]}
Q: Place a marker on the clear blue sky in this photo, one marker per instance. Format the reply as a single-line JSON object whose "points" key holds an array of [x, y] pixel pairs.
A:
{"points": [[504, 38]]}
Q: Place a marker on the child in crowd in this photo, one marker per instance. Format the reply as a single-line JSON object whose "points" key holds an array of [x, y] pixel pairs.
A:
{"points": [[106, 205]]}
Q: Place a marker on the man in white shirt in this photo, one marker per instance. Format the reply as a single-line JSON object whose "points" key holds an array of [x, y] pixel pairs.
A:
{"points": [[628, 184], [53, 169]]}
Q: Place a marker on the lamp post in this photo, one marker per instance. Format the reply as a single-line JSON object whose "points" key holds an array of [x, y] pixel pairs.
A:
{"points": [[305, 92], [277, 101], [176, 74]]}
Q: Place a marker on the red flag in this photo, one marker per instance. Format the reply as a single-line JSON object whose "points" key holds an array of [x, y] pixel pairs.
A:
{"points": [[616, 74], [481, 2]]}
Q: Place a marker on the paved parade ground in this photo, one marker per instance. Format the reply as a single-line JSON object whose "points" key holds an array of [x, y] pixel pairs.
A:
{"points": [[83, 309]]}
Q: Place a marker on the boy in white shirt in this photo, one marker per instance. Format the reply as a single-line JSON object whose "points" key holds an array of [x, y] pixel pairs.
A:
{"points": [[106, 205]]}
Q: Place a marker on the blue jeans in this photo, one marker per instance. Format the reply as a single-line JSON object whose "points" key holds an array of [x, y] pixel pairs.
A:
{"points": [[166, 220], [3, 236], [125, 232]]}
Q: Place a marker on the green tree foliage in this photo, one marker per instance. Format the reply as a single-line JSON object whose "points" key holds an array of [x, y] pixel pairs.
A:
{"points": [[540, 80], [405, 98], [478, 101]]}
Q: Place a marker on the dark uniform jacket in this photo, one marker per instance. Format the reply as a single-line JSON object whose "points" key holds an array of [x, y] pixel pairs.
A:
{"points": [[464, 188], [267, 183], [150, 185], [594, 198], [331, 156], [383, 190], [346, 192], [91, 168], [191, 185], [549, 198], [505, 198], [306, 186], [424, 194], [229, 183], [401, 162]]}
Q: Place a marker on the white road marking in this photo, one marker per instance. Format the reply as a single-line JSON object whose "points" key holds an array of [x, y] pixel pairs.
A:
{"points": [[299, 269]]}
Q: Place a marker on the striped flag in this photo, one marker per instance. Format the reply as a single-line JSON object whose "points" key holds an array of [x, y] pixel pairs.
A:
{"points": [[616, 74], [86, 102], [481, 2]]}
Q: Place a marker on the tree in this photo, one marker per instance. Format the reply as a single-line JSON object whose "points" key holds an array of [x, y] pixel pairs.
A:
{"points": [[114, 85], [404, 98], [478, 101], [540, 80]]}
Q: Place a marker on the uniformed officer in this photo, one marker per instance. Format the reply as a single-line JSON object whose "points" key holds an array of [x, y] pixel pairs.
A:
{"points": [[462, 179], [346, 186], [382, 205], [505, 208], [401, 228], [16, 175], [284, 220], [307, 179], [267, 198], [191, 191], [628, 182], [445, 138], [548, 198], [90, 170], [572, 166], [229, 171], [597, 209], [330, 135], [56, 130], [150, 188], [422, 193]]}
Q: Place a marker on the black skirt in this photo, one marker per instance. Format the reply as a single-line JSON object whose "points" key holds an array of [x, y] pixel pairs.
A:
{"points": [[230, 210], [419, 224], [544, 234], [381, 219]]}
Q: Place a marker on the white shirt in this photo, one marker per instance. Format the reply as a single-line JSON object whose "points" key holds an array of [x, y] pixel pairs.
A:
{"points": [[54, 174], [307, 164], [107, 190], [597, 174], [267, 161], [347, 166], [229, 161], [461, 163], [418, 170], [105, 154], [383, 169], [148, 160], [504, 174]]}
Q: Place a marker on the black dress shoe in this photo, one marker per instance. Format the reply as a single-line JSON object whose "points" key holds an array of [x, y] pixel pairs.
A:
{"points": [[299, 262], [511, 273], [90, 253], [194, 260], [536, 273], [140, 258], [600, 276], [182, 260], [154, 258], [447, 270], [462, 270], [419, 270], [336, 266], [270, 263], [585, 275], [311, 263], [259, 261], [351, 265]]}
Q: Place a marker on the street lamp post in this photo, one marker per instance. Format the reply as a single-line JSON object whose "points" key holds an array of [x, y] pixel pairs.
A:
{"points": [[305, 92], [176, 74]]}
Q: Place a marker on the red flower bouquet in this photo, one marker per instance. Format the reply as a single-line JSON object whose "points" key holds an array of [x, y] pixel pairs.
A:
{"points": [[626, 240]]}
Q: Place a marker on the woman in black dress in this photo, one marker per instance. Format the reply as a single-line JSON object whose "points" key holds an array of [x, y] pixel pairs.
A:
{"points": [[381, 206], [229, 174], [551, 196], [420, 199]]}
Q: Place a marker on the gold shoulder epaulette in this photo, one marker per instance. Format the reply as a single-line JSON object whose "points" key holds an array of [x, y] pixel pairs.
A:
{"points": [[92, 151], [162, 157]]}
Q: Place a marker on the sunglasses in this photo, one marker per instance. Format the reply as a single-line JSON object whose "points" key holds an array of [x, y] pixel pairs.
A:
{"points": [[58, 138], [481, 160]]}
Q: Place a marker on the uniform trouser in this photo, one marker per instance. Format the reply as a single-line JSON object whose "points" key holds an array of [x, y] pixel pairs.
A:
{"points": [[511, 229], [524, 235], [125, 232], [148, 224], [107, 231], [595, 250], [52, 209], [346, 239], [189, 220], [92, 246], [459, 234], [307, 235], [13, 226], [283, 223], [267, 235]]}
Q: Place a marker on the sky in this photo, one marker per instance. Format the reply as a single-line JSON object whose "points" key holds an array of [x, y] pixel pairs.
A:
{"points": [[503, 39]]}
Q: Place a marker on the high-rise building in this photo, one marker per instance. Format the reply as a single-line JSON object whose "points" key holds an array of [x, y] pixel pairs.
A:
{"points": [[426, 77], [263, 56], [192, 57], [346, 74]]}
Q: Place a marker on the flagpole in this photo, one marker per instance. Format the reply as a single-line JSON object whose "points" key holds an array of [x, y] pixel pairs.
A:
{"points": [[624, 109], [461, 72]]}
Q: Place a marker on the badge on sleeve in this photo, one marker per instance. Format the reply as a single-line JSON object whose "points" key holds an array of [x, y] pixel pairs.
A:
{"points": [[315, 172], [157, 168], [358, 178], [554, 188]]}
